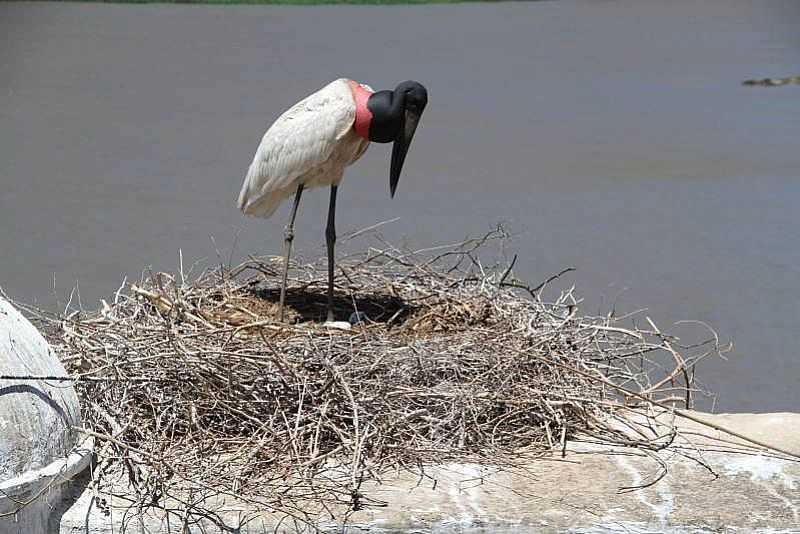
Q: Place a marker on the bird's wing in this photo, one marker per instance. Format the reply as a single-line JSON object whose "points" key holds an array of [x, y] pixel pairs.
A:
{"points": [[301, 140]]}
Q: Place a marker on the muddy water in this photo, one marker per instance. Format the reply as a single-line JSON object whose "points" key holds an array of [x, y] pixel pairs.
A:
{"points": [[610, 136]]}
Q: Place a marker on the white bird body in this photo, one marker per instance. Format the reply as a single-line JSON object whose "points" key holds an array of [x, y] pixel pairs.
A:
{"points": [[310, 144]]}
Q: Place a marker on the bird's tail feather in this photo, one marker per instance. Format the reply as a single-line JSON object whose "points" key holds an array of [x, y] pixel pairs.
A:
{"points": [[260, 206]]}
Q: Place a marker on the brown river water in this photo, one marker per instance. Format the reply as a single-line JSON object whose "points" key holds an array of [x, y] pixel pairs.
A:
{"points": [[612, 136]]}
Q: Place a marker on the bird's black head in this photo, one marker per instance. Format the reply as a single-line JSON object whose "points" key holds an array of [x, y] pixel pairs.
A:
{"points": [[416, 96], [395, 115], [388, 109]]}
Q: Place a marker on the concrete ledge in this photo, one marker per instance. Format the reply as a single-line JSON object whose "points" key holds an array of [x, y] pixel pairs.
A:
{"points": [[34, 501], [40, 454], [712, 484], [36, 416]]}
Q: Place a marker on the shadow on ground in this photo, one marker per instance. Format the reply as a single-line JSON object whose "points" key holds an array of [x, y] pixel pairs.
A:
{"points": [[309, 305]]}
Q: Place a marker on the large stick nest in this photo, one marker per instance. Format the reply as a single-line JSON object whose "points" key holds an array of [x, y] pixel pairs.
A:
{"points": [[194, 387]]}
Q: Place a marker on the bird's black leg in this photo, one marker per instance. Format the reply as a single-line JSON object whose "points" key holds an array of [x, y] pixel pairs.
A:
{"points": [[288, 237], [330, 239]]}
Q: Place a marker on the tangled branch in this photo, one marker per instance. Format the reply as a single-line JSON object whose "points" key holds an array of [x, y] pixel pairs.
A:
{"points": [[195, 391]]}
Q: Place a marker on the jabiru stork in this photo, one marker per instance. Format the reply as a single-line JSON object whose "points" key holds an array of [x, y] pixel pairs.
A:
{"points": [[310, 145]]}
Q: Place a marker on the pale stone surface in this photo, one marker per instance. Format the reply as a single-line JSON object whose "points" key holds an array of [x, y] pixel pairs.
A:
{"points": [[39, 456], [33, 502], [712, 485], [35, 415]]}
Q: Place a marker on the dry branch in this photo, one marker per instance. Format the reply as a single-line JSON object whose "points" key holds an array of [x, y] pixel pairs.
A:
{"points": [[196, 391]]}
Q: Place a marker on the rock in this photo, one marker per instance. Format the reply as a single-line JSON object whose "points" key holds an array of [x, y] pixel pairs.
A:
{"points": [[772, 82]]}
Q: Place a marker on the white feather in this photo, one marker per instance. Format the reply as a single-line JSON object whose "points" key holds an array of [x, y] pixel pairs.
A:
{"points": [[311, 143]]}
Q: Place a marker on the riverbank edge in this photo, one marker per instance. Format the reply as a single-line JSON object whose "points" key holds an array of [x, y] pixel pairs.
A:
{"points": [[286, 2]]}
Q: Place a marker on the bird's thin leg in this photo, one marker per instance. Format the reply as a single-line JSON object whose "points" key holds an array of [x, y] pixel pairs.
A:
{"points": [[288, 237], [330, 239]]}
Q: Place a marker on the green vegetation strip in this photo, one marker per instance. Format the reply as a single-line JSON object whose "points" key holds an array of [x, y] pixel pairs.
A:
{"points": [[289, 2]]}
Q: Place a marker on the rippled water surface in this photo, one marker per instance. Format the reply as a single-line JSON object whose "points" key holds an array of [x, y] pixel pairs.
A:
{"points": [[610, 136]]}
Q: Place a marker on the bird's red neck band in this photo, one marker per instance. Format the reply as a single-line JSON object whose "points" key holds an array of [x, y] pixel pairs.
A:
{"points": [[363, 114]]}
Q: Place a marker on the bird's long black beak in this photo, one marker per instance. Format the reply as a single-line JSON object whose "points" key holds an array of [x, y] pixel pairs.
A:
{"points": [[400, 148]]}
